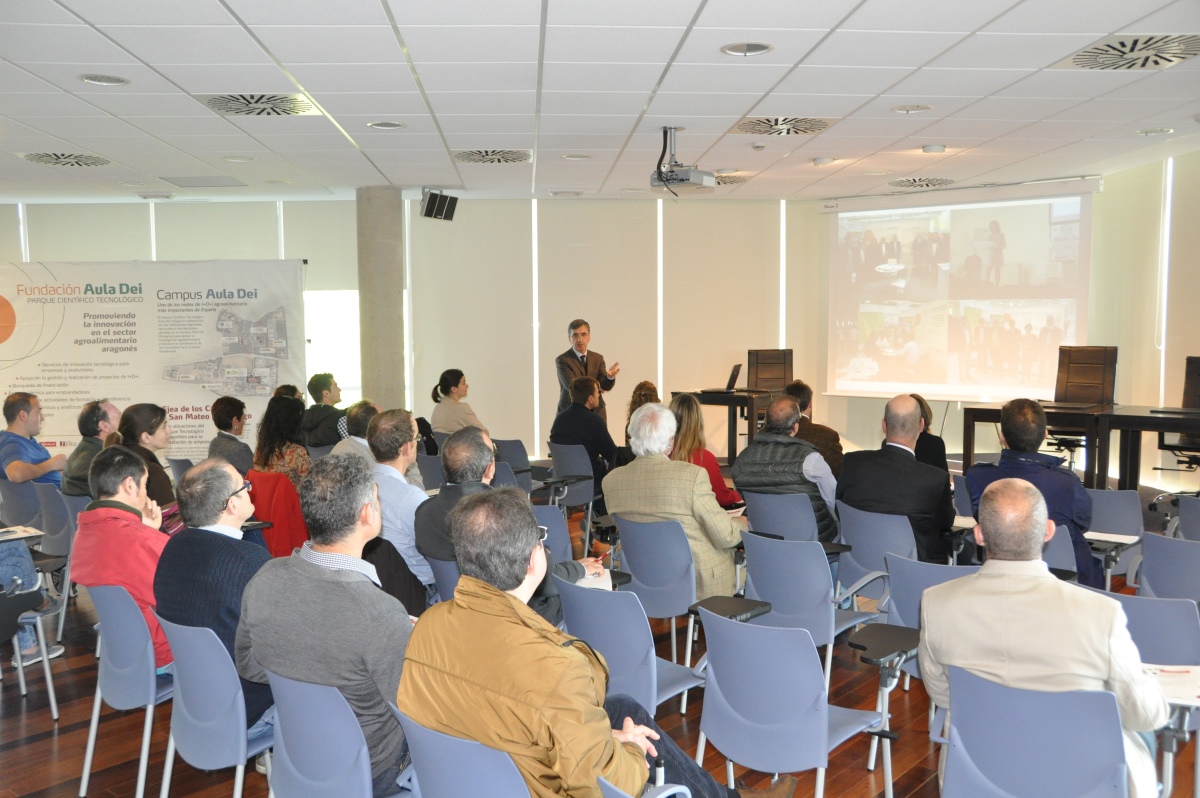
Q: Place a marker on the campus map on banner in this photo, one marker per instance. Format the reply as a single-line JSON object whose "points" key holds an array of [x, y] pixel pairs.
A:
{"points": [[175, 334]]}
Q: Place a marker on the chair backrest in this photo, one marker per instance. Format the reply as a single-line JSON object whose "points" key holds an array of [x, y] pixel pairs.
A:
{"points": [[430, 466], [872, 537], [1116, 511], [452, 767], [614, 624], [75, 506], [208, 716], [787, 514], [572, 460], [514, 453], [765, 704], [1189, 517], [127, 671], [608, 790], [19, 505], [440, 438], [793, 575], [1169, 568], [504, 477], [319, 746], [11, 607], [1166, 631], [558, 538], [445, 574], [55, 524], [993, 728], [658, 557], [317, 452], [1086, 374], [179, 467], [909, 578], [962, 497], [1060, 552]]}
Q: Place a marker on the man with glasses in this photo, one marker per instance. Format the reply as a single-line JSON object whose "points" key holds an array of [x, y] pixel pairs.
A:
{"points": [[205, 568]]}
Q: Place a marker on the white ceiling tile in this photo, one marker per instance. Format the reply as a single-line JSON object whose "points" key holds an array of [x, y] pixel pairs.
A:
{"points": [[309, 12], [482, 102], [331, 44], [490, 141], [703, 45], [61, 104], [44, 12], [576, 142], [883, 49], [1013, 50], [36, 143], [486, 123], [691, 124], [856, 126], [123, 105], [1068, 84], [600, 77], [302, 158], [841, 80], [395, 157], [68, 127], [809, 105], [585, 125], [1061, 129], [15, 79], [957, 82], [844, 146], [1169, 83], [61, 44], [319, 78], [1128, 132], [142, 79], [610, 45], [220, 79], [211, 125], [140, 12], [733, 77], [358, 126], [1117, 109], [227, 145], [1073, 16], [478, 77], [881, 107], [774, 13], [371, 103], [315, 141], [1182, 16], [1012, 108], [703, 103], [472, 44], [192, 45], [970, 128], [888, 15], [475, 12], [620, 103]]}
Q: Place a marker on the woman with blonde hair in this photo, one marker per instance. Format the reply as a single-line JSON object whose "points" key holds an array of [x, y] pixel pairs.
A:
{"points": [[690, 447]]}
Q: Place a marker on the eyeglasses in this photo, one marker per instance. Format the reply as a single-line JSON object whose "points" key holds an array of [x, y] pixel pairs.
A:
{"points": [[245, 486]]}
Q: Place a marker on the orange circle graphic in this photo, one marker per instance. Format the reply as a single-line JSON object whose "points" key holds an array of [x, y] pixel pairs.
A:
{"points": [[8, 319]]}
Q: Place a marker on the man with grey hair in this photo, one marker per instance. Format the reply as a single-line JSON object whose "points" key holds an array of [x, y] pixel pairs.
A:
{"points": [[1014, 623], [392, 436], [655, 488], [320, 616], [97, 421], [358, 419], [889, 480], [778, 461], [203, 570]]}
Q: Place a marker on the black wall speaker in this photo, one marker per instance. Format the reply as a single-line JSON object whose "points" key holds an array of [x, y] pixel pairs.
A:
{"points": [[436, 205]]}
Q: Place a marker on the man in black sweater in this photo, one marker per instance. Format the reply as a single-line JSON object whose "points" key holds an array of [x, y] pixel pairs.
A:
{"points": [[579, 425], [205, 568]]}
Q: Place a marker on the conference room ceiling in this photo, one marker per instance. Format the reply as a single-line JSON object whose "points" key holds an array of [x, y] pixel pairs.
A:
{"points": [[580, 89]]}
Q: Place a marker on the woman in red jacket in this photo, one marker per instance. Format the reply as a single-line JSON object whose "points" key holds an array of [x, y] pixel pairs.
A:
{"points": [[690, 447]]}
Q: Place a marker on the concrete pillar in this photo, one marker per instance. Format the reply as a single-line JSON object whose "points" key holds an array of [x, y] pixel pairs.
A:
{"points": [[380, 212]]}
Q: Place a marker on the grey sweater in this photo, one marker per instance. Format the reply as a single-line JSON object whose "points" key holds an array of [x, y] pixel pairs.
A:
{"points": [[324, 626]]}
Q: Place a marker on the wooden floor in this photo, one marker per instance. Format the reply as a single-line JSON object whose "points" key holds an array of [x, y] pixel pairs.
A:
{"points": [[41, 758]]}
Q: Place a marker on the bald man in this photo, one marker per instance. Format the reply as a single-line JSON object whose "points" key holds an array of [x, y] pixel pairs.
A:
{"points": [[890, 480]]}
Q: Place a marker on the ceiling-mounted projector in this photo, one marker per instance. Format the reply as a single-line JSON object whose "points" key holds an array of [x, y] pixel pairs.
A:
{"points": [[674, 176]]}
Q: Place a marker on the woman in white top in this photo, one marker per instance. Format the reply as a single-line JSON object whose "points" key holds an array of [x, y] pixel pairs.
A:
{"points": [[451, 413]]}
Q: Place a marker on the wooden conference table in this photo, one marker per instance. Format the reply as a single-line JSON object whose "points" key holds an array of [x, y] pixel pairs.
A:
{"points": [[750, 400], [1098, 422]]}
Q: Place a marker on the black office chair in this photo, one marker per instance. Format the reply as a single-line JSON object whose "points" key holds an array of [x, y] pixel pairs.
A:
{"points": [[1183, 447], [1087, 375]]}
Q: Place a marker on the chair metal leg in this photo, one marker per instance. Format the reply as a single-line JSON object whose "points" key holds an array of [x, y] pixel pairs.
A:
{"points": [[700, 749], [729, 774], [887, 768], [820, 791], [41, 633], [828, 663], [20, 665], [144, 761], [586, 530], [66, 596], [687, 658], [907, 681], [168, 767], [91, 745], [239, 775], [674, 645]]}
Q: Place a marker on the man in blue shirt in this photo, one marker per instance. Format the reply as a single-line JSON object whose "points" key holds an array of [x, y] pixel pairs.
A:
{"points": [[22, 458], [392, 436], [1022, 430]]}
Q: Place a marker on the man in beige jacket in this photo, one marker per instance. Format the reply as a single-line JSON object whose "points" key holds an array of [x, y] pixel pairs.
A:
{"points": [[1014, 623]]}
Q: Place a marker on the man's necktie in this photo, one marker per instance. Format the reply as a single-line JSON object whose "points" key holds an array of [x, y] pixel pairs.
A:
{"points": [[583, 360]]}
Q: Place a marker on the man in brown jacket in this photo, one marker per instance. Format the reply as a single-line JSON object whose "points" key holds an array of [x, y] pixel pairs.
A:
{"points": [[486, 667]]}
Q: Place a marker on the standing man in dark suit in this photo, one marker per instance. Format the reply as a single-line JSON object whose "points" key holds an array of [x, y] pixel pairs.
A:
{"points": [[579, 362], [826, 439], [890, 480]]}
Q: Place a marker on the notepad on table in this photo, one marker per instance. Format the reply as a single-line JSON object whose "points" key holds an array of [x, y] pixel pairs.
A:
{"points": [[1110, 537]]}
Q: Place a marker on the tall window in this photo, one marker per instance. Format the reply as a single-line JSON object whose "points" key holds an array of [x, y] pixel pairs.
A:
{"points": [[331, 332]]}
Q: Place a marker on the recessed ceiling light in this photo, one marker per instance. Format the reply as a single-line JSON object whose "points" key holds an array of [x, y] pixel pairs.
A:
{"points": [[387, 125], [279, 182], [564, 193], [747, 48], [1155, 131], [130, 185], [239, 158], [823, 161], [725, 172], [934, 148], [576, 156], [104, 80], [878, 172], [633, 190], [912, 109]]}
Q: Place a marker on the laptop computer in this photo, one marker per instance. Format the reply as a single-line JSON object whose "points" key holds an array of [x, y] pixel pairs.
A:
{"points": [[733, 377]]}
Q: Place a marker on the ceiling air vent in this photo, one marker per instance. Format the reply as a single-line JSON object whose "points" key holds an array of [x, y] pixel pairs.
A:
{"points": [[780, 126], [493, 156], [1134, 53], [259, 104], [731, 180], [66, 159], [921, 182]]}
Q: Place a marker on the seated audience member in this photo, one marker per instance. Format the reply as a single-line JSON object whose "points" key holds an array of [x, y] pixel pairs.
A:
{"points": [[118, 542], [22, 458], [392, 436], [322, 420], [17, 572], [468, 461], [1022, 430], [930, 448], [1014, 623], [289, 390], [780, 462], [229, 416], [358, 417], [450, 412], [690, 447], [889, 480], [97, 421], [319, 616], [826, 439], [144, 429], [279, 448], [545, 698], [579, 425], [204, 569], [656, 488], [644, 393]]}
